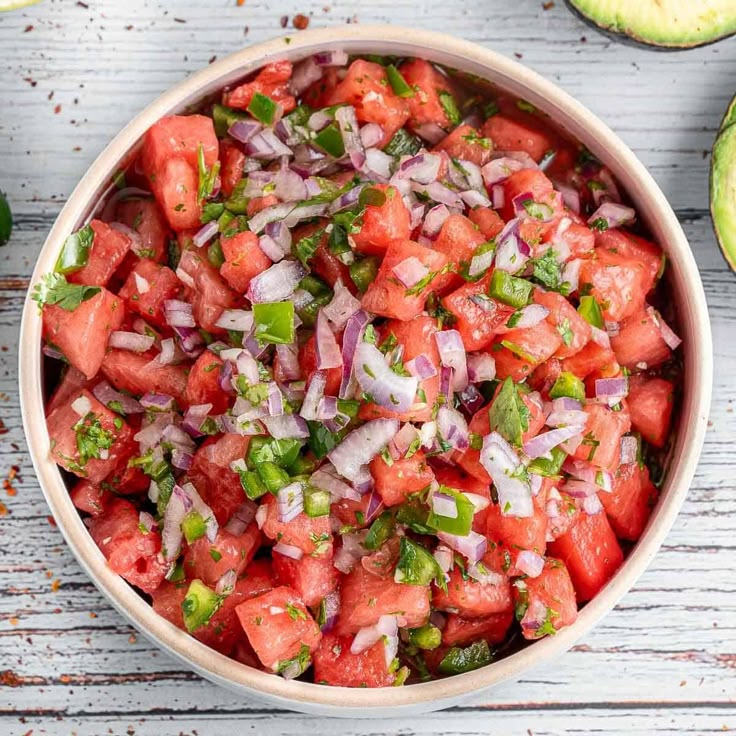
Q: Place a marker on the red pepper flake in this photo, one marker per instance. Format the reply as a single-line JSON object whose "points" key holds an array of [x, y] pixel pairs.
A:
{"points": [[132, 639], [51, 520], [14, 621], [81, 4], [300, 22], [49, 574], [179, 20], [55, 586], [518, 55], [8, 678], [27, 29], [3, 509], [30, 81], [548, 5], [240, 3], [65, 679], [284, 21], [8, 482], [92, 614], [3, 428], [213, 59], [57, 109]]}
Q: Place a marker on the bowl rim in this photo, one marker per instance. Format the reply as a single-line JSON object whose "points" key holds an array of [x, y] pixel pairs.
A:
{"points": [[580, 123]]}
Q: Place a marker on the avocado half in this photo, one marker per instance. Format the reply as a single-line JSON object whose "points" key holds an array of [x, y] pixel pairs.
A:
{"points": [[667, 24], [723, 186]]}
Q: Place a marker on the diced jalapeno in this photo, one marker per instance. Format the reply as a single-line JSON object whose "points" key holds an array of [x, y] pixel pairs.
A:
{"points": [[193, 526], [316, 502], [416, 566], [273, 476], [510, 289], [568, 384], [199, 605], [466, 659], [224, 117], [381, 529], [303, 465], [268, 449], [363, 272], [215, 255], [274, 322], [330, 140], [426, 637], [459, 525], [590, 311], [403, 144], [252, 484], [398, 84], [262, 108], [237, 202], [413, 513], [548, 467], [75, 253]]}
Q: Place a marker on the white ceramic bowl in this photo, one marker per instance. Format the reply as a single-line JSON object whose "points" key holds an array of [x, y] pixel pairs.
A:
{"points": [[693, 325]]}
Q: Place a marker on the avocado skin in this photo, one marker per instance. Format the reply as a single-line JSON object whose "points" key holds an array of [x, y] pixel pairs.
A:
{"points": [[630, 39], [723, 186]]}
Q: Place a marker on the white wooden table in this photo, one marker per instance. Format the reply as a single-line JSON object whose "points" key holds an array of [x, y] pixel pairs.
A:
{"points": [[71, 74]]}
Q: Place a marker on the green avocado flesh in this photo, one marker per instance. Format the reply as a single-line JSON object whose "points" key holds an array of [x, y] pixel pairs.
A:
{"points": [[666, 23], [723, 192]]}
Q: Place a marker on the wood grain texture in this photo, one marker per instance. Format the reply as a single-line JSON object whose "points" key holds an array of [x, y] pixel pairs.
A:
{"points": [[664, 662]]}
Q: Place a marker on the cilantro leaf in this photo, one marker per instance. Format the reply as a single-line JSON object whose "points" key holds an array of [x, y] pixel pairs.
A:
{"points": [[54, 289], [508, 414]]}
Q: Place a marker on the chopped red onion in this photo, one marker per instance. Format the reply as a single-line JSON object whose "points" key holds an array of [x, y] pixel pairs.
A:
{"points": [[612, 390], [350, 130], [570, 197], [106, 394], [242, 516], [275, 400], [500, 169], [366, 637], [480, 573], [288, 356], [181, 459], [268, 215], [157, 402], [304, 212], [280, 235], [315, 392], [243, 130], [195, 417], [147, 521], [531, 316], [353, 454], [326, 480], [452, 428], [289, 186], [371, 135], [346, 200], [286, 426], [331, 609], [592, 505], [205, 234], [388, 389], [326, 347], [404, 438], [567, 417], [430, 132], [410, 271], [240, 320], [177, 507], [473, 198], [480, 263], [82, 406], [265, 145], [288, 550], [434, 221], [571, 273], [276, 283], [501, 462], [512, 253], [445, 557], [351, 338], [290, 502], [452, 355], [472, 547], [443, 504], [226, 584], [530, 563], [603, 479], [142, 285], [178, 313], [629, 450], [671, 339], [421, 367], [471, 399], [327, 408], [498, 196], [343, 306], [579, 488], [423, 168], [600, 337], [615, 215], [481, 367], [377, 165], [438, 192], [305, 74], [131, 341], [542, 444]]}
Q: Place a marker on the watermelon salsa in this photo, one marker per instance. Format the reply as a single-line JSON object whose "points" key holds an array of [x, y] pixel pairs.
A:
{"points": [[364, 377]]}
